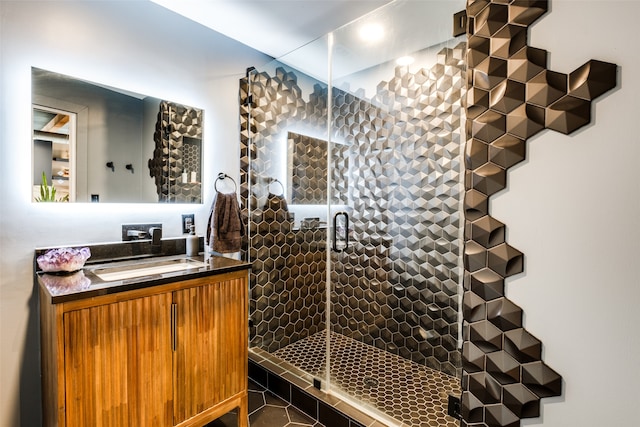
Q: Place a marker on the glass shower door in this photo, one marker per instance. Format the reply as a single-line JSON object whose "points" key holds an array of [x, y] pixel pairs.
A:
{"points": [[396, 155], [284, 180], [369, 150]]}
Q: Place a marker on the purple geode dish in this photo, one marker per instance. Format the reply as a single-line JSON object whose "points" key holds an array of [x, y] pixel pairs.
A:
{"points": [[63, 259]]}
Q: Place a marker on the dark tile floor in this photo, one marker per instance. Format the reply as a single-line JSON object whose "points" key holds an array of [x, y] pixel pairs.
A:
{"points": [[267, 410]]}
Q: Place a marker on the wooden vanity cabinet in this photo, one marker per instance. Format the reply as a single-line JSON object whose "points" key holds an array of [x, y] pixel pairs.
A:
{"points": [[168, 355]]}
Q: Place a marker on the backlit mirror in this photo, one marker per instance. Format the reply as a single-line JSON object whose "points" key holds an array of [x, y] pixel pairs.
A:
{"points": [[94, 143]]}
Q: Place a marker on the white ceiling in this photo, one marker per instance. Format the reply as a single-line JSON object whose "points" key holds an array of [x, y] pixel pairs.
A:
{"points": [[286, 29], [275, 27]]}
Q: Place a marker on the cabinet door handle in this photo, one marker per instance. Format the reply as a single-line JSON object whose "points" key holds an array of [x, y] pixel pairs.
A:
{"points": [[174, 327]]}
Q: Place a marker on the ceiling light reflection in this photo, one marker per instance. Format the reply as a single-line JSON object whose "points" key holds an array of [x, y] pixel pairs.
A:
{"points": [[371, 32], [405, 60]]}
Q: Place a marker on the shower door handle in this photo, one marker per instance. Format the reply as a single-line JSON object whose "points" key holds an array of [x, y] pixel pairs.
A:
{"points": [[340, 231]]}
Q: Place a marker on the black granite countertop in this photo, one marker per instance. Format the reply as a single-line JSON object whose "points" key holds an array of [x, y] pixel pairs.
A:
{"points": [[85, 283]]}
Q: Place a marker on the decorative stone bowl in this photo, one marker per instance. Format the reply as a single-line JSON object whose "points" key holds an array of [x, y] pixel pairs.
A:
{"points": [[63, 260]]}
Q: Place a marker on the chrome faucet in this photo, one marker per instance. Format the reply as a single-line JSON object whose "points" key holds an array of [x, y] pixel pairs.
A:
{"points": [[138, 234]]}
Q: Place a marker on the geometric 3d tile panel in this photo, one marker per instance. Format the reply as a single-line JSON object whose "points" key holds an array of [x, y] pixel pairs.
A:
{"points": [[178, 145], [511, 97], [398, 168]]}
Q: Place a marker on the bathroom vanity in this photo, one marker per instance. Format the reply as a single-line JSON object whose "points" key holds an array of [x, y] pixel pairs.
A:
{"points": [[163, 349]]}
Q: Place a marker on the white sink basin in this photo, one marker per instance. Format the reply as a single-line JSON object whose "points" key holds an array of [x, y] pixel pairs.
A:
{"points": [[109, 274]]}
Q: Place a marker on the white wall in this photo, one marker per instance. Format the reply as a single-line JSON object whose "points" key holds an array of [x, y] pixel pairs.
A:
{"points": [[135, 45], [573, 208]]}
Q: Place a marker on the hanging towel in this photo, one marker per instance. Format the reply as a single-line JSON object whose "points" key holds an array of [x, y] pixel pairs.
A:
{"points": [[225, 228]]}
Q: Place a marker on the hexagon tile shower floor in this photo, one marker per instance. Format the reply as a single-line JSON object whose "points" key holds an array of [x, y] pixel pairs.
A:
{"points": [[406, 391]]}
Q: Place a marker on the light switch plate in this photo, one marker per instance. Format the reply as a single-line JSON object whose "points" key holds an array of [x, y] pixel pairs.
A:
{"points": [[187, 221]]}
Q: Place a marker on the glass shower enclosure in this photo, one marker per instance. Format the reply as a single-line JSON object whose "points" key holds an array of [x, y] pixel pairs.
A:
{"points": [[352, 185]]}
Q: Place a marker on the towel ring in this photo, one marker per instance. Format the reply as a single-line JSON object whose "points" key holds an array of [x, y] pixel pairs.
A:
{"points": [[221, 176], [281, 186]]}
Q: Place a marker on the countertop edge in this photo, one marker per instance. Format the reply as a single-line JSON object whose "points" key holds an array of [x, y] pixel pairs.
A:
{"points": [[93, 287]]}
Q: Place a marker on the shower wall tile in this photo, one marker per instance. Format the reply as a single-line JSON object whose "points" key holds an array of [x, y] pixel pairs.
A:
{"points": [[512, 96], [398, 167]]}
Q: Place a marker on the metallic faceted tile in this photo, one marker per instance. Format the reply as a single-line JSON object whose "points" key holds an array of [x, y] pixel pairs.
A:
{"points": [[473, 359], [488, 179], [525, 121], [523, 346], [478, 101], [503, 367], [527, 63], [478, 50], [507, 151], [521, 401], [505, 260], [489, 126], [500, 415], [475, 256], [184, 122], [475, 204], [487, 284], [487, 231], [489, 72], [507, 96], [508, 40], [546, 88], [568, 114], [472, 408], [541, 379], [504, 314], [484, 387], [527, 12], [474, 308], [491, 19], [592, 79], [485, 336]]}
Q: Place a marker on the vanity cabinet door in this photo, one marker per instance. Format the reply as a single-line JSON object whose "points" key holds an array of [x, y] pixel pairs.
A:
{"points": [[118, 362], [211, 348]]}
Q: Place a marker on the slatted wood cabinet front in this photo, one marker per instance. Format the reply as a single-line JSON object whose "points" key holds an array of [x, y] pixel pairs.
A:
{"points": [[169, 355]]}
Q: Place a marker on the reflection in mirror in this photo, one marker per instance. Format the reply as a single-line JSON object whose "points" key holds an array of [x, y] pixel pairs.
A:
{"points": [[53, 147], [95, 143]]}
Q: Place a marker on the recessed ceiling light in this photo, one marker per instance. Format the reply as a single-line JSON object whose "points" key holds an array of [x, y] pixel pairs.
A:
{"points": [[371, 32], [405, 60]]}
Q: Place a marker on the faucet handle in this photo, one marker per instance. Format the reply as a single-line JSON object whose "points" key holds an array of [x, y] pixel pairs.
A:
{"points": [[155, 233]]}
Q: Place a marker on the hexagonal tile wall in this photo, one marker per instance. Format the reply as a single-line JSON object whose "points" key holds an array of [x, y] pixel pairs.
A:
{"points": [[512, 96], [397, 286]]}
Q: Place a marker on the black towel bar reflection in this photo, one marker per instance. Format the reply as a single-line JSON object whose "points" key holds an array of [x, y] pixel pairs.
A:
{"points": [[340, 231]]}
